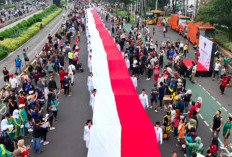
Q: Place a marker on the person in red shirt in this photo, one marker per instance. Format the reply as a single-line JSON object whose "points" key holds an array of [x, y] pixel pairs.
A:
{"points": [[62, 74], [156, 72], [223, 80], [21, 98], [193, 107]]}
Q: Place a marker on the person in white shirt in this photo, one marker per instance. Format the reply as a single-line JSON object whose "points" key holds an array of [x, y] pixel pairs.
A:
{"points": [[92, 99], [216, 69], [90, 63], [134, 80], [144, 99], [71, 68], [159, 133], [127, 62], [134, 64], [90, 82], [86, 137], [13, 82]]}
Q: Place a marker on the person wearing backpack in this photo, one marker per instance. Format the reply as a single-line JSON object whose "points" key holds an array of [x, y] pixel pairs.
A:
{"points": [[67, 83], [18, 64]]}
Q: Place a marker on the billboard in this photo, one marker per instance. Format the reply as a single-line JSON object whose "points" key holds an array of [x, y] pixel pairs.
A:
{"points": [[205, 50]]}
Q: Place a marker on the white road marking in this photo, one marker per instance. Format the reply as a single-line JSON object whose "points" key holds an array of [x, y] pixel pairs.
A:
{"points": [[201, 116], [213, 98], [224, 109], [206, 123]]}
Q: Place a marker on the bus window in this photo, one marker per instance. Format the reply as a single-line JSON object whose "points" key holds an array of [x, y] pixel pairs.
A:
{"points": [[208, 33]]}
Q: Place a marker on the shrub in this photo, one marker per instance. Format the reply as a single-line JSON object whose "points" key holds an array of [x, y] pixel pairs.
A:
{"points": [[7, 6], [222, 37], [3, 53]]}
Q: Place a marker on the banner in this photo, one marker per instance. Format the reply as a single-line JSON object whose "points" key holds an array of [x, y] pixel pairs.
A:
{"points": [[205, 50]]}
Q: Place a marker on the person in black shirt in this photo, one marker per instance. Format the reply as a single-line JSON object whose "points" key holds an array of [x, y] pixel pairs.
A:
{"points": [[36, 134], [5, 75], [12, 105], [52, 84]]}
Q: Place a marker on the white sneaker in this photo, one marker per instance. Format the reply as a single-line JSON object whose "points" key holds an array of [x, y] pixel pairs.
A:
{"points": [[52, 128], [148, 79], [156, 111], [30, 130], [150, 107], [222, 147]]}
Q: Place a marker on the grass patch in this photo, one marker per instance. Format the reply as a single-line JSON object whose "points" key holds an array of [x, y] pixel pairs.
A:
{"points": [[11, 44], [222, 37]]}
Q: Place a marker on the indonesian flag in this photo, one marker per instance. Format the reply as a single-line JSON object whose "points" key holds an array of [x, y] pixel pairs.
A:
{"points": [[121, 127]]}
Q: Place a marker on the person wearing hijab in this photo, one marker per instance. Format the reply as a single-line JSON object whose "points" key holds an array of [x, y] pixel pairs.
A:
{"points": [[196, 147], [17, 122]]}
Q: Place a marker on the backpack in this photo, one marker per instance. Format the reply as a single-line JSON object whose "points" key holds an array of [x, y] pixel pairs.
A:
{"points": [[66, 81]]}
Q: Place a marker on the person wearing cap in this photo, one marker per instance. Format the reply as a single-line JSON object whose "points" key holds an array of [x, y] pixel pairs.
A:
{"points": [[18, 64], [144, 99], [23, 118], [13, 82], [17, 122]]}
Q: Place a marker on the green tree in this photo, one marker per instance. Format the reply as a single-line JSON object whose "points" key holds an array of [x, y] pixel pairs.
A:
{"points": [[216, 12]]}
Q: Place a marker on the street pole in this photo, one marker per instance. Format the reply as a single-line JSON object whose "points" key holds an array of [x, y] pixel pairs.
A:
{"points": [[156, 5], [196, 8]]}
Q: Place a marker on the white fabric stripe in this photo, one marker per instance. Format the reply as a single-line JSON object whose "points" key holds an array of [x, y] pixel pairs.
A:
{"points": [[105, 134]]}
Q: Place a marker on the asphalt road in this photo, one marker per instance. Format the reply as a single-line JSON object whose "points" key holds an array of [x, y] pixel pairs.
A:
{"points": [[67, 138]]}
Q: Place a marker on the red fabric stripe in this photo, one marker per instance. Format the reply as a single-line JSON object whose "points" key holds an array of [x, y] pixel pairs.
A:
{"points": [[138, 138]]}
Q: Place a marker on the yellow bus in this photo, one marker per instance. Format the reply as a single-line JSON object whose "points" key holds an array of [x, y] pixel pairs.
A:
{"points": [[152, 17]]}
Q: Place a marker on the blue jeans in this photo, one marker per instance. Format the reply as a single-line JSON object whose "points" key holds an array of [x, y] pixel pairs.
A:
{"points": [[18, 68], [36, 144]]}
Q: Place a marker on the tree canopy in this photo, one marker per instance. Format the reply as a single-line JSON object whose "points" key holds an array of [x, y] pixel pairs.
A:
{"points": [[217, 12]]}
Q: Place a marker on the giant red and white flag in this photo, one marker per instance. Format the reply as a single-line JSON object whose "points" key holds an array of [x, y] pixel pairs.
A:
{"points": [[121, 127]]}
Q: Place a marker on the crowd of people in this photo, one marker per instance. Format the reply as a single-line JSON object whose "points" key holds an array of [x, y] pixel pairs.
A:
{"points": [[163, 63], [32, 98]]}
